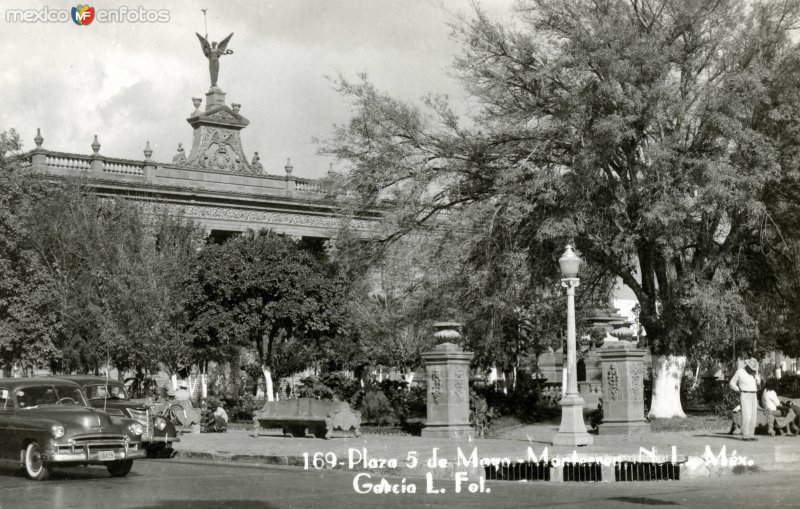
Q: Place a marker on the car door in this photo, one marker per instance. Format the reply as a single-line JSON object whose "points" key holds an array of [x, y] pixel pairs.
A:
{"points": [[6, 414]]}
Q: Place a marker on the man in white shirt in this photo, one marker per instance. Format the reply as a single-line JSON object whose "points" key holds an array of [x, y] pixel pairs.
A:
{"points": [[778, 417], [745, 381]]}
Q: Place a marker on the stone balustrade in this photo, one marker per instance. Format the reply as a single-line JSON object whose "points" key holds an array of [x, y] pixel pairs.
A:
{"points": [[307, 187], [70, 162], [98, 165], [227, 201], [124, 168]]}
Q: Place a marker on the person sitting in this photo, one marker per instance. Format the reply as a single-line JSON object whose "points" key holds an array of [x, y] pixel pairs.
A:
{"points": [[778, 416], [215, 419], [220, 418], [188, 415]]}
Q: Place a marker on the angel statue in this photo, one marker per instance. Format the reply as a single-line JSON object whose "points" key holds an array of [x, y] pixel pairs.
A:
{"points": [[212, 52]]}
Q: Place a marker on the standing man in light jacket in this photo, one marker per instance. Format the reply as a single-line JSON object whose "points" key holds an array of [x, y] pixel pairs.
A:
{"points": [[745, 381]]}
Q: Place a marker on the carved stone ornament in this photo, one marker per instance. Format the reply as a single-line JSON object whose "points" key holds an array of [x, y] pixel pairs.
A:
{"points": [[256, 164], [219, 149], [461, 385], [222, 115], [263, 217], [180, 157], [613, 382], [436, 385], [637, 383]]}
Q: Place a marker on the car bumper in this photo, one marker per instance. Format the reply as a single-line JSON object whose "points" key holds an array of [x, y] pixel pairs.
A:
{"points": [[85, 455], [164, 439]]}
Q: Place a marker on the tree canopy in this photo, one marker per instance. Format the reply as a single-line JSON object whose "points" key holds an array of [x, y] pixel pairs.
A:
{"points": [[29, 326], [263, 292], [660, 136]]}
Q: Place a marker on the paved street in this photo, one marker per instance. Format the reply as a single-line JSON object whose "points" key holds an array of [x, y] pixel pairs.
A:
{"points": [[177, 485]]}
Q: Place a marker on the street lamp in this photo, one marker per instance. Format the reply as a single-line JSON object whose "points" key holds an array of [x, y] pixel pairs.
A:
{"points": [[573, 429]]}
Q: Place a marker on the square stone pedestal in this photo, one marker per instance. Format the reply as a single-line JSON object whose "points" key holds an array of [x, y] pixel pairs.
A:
{"points": [[623, 389], [447, 371]]}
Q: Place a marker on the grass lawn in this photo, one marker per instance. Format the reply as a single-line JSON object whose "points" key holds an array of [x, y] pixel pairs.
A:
{"points": [[692, 422], [703, 422]]}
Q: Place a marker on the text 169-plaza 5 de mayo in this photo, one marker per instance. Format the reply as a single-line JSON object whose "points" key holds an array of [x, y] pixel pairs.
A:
{"points": [[467, 481]]}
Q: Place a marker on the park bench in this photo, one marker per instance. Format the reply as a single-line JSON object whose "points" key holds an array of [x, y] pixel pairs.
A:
{"points": [[308, 417], [781, 423]]}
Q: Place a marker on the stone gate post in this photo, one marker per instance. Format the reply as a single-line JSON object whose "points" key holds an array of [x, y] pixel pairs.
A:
{"points": [[623, 389], [447, 373]]}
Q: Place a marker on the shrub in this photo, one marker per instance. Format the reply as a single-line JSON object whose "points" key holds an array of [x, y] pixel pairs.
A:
{"points": [[312, 387], [694, 395], [500, 402], [725, 405], [522, 402], [343, 388], [526, 396], [241, 408], [376, 409], [480, 415], [406, 403], [789, 386]]}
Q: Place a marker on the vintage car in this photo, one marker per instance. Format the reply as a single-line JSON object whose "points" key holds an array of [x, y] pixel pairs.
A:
{"points": [[110, 396], [46, 422]]}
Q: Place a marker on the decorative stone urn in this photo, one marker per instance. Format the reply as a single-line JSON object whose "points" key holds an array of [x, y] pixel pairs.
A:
{"points": [[447, 372]]}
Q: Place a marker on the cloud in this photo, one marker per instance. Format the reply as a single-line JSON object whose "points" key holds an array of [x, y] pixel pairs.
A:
{"points": [[133, 82]]}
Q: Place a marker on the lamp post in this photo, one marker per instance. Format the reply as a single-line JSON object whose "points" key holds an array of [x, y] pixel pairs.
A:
{"points": [[573, 429]]}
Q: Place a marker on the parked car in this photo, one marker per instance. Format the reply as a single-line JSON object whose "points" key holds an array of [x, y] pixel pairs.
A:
{"points": [[46, 422], [110, 396]]}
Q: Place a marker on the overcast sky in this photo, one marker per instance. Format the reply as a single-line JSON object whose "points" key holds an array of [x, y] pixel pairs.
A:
{"points": [[133, 82]]}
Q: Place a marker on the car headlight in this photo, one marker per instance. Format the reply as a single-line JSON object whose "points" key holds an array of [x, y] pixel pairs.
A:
{"points": [[160, 423], [57, 431], [136, 428]]}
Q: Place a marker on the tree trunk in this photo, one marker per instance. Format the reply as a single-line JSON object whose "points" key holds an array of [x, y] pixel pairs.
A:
{"points": [[267, 372], [667, 373], [696, 380]]}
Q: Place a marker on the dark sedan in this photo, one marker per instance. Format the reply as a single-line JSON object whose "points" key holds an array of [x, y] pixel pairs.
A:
{"points": [[46, 422], [109, 395]]}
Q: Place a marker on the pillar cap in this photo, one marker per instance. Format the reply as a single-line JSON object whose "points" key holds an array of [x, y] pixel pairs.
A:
{"points": [[446, 352]]}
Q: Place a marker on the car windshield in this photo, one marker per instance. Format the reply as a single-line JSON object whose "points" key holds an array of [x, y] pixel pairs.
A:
{"points": [[103, 391], [33, 396]]}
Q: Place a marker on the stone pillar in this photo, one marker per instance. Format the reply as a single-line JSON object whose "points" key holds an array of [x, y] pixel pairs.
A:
{"points": [[447, 372], [39, 155], [214, 97], [289, 178], [96, 165], [149, 168], [623, 389]]}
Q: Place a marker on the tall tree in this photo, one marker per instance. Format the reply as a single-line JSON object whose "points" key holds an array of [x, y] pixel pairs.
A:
{"points": [[643, 130], [266, 292], [29, 324], [117, 267]]}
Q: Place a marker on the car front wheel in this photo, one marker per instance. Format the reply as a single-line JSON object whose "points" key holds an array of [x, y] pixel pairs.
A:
{"points": [[35, 467], [120, 468]]}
